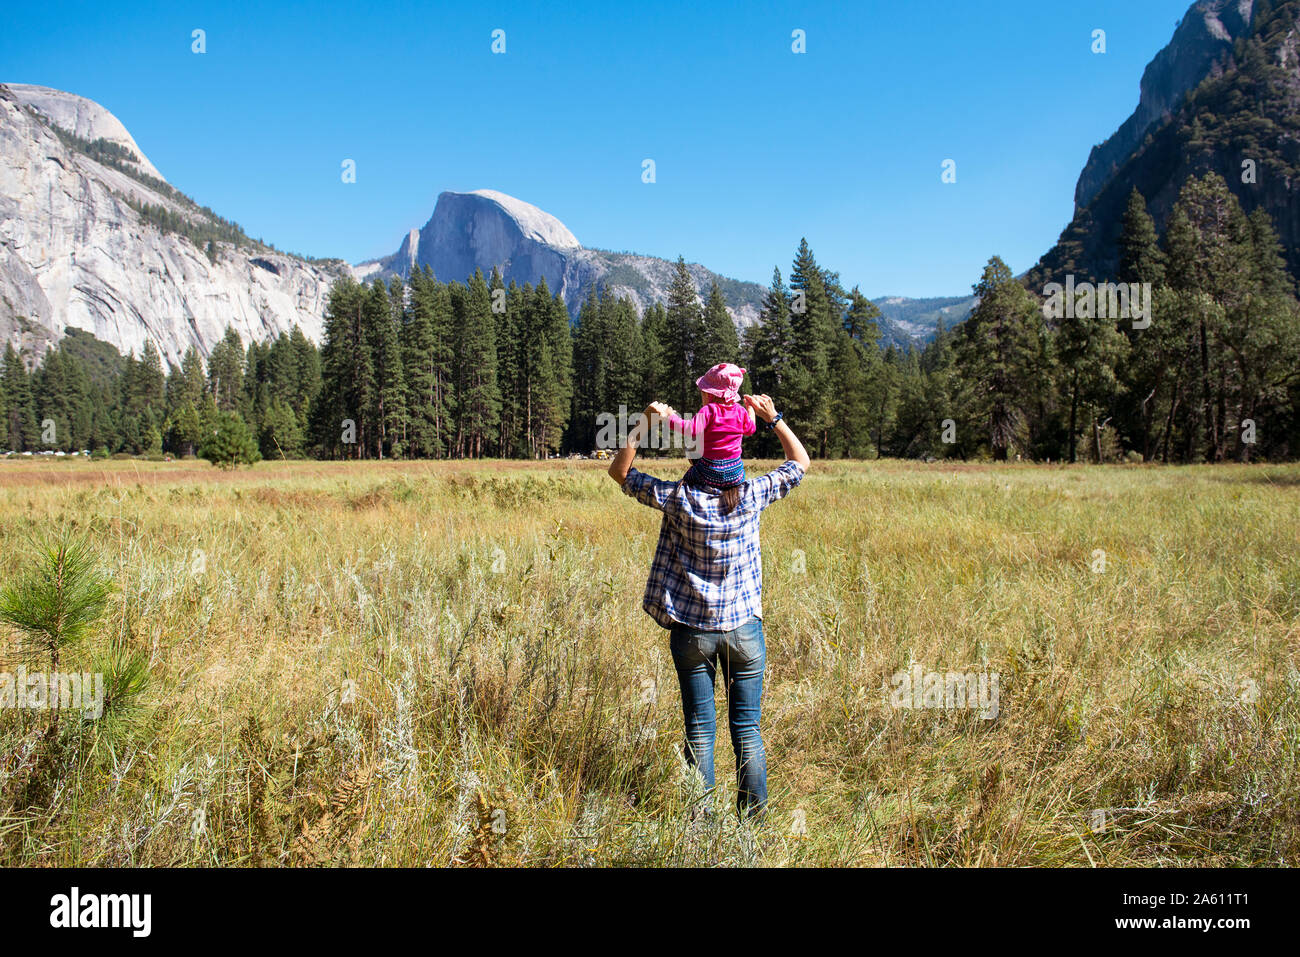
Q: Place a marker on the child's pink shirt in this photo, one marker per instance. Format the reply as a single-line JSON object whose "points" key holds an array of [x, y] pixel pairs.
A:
{"points": [[723, 426]]}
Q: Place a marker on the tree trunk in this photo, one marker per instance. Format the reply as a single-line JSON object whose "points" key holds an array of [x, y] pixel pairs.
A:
{"points": [[1169, 422], [1074, 410], [1096, 432], [1146, 428], [1207, 402]]}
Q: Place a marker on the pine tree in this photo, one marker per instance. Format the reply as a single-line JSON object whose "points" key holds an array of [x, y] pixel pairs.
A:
{"points": [[478, 396], [591, 392], [513, 316], [1268, 272], [813, 323], [849, 439], [866, 414], [78, 401], [255, 391], [422, 439], [917, 422], [685, 330], [185, 431], [386, 412], [4, 408], [542, 385], [1140, 256], [442, 359], [550, 417], [309, 378], [281, 435], [625, 362], [53, 399], [337, 416], [22, 433], [282, 370], [1262, 337], [950, 394], [1210, 252], [226, 371], [769, 354], [151, 382], [231, 443], [1150, 370], [54, 605], [1089, 347], [130, 426], [188, 383], [433, 301], [718, 339], [999, 350], [654, 355]]}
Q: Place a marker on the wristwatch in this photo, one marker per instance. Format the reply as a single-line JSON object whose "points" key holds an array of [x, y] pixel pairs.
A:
{"points": [[775, 419]]}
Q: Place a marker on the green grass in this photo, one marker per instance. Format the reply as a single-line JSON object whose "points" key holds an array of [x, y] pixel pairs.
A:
{"points": [[428, 663]]}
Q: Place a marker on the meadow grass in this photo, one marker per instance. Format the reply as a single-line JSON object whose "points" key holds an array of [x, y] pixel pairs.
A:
{"points": [[447, 663]]}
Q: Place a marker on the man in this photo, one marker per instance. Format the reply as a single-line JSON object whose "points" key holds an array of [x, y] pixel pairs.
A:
{"points": [[706, 588]]}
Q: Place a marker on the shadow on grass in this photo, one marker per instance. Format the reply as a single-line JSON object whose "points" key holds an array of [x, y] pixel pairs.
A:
{"points": [[1260, 475]]}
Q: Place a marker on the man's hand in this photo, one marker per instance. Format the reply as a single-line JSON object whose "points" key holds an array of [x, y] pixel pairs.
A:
{"points": [[762, 405], [790, 444], [622, 460]]}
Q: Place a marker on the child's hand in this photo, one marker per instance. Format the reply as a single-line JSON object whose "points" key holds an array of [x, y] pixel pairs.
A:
{"points": [[762, 405], [662, 409]]}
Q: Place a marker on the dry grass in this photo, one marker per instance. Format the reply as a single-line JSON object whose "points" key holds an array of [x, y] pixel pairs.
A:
{"points": [[447, 664]]}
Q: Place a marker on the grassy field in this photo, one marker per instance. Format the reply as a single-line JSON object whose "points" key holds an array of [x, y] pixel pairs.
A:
{"points": [[447, 663]]}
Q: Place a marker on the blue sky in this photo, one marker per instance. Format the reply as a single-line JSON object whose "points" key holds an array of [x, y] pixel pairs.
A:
{"points": [[754, 145]]}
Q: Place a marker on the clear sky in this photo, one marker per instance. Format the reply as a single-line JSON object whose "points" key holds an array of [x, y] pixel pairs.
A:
{"points": [[754, 145]]}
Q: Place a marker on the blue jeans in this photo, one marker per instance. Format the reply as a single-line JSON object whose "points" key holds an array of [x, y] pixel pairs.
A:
{"points": [[742, 655]]}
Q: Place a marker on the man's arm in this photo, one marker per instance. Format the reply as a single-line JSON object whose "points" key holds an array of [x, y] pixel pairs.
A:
{"points": [[618, 468], [765, 408]]}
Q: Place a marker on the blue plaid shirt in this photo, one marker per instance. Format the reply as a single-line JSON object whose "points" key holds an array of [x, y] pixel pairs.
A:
{"points": [[707, 571]]}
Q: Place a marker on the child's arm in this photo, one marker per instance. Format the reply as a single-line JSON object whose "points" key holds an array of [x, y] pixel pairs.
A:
{"points": [[688, 427], [753, 424]]}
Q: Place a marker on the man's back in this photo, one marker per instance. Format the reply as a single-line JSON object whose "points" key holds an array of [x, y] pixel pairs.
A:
{"points": [[708, 569]]}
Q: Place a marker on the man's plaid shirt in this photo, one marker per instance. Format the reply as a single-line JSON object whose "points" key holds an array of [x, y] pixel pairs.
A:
{"points": [[707, 571]]}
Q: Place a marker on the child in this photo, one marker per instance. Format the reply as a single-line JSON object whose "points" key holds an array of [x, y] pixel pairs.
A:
{"points": [[721, 423]]}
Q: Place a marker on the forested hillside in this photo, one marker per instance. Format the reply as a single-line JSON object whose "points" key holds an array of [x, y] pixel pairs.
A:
{"points": [[426, 368]]}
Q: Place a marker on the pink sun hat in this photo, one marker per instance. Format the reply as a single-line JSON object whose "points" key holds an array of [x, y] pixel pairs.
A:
{"points": [[723, 381]]}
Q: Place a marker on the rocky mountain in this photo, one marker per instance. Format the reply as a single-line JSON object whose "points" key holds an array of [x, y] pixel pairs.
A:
{"points": [[1223, 96], [1202, 41], [485, 229], [92, 237], [83, 118]]}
